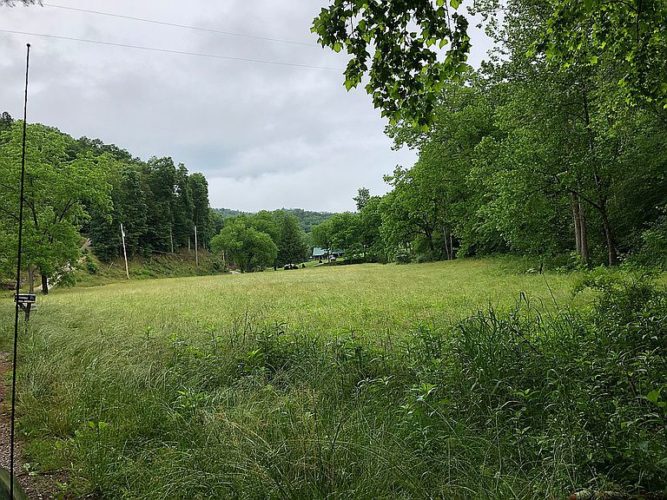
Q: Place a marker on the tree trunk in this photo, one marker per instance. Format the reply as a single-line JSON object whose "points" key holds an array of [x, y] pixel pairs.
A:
{"points": [[45, 284], [577, 223], [431, 246], [451, 246], [31, 279], [583, 234], [602, 192], [444, 237], [580, 229], [609, 237]]}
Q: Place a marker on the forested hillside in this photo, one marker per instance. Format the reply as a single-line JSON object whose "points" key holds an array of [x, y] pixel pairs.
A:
{"points": [[79, 189], [533, 154], [307, 219]]}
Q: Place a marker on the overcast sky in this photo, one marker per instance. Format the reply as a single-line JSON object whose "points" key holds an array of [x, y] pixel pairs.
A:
{"points": [[266, 136]]}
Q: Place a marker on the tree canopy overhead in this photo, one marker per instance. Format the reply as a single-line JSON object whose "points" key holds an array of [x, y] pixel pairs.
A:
{"points": [[397, 44], [630, 35], [408, 49]]}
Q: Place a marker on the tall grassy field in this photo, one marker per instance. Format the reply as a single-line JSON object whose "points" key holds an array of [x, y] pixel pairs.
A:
{"points": [[348, 381], [370, 299]]}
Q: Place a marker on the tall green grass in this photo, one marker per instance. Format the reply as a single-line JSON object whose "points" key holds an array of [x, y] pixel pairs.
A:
{"points": [[366, 299], [528, 401]]}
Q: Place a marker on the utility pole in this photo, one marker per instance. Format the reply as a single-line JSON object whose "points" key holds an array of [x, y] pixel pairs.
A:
{"points": [[196, 253], [122, 234]]}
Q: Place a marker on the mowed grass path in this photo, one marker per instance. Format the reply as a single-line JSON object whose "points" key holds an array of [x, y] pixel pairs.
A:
{"points": [[365, 299]]}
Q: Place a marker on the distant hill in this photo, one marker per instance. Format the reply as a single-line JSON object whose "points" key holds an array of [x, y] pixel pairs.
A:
{"points": [[228, 212], [306, 218]]}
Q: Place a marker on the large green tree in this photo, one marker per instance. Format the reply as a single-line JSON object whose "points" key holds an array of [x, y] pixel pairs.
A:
{"points": [[201, 216], [59, 191], [245, 246], [161, 198], [340, 232], [292, 247]]}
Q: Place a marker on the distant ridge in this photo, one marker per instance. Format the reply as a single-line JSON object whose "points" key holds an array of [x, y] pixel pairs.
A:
{"points": [[307, 219]]}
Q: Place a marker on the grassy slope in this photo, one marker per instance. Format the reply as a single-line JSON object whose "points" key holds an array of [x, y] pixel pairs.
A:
{"points": [[127, 386], [159, 266]]}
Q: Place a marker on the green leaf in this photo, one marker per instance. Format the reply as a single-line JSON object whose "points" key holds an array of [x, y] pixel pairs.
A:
{"points": [[337, 47], [455, 3], [653, 396]]}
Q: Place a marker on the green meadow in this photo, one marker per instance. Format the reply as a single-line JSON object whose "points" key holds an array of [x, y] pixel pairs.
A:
{"points": [[462, 379], [367, 299]]}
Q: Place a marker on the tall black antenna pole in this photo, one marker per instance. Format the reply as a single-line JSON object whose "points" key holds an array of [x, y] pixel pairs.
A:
{"points": [[18, 281]]}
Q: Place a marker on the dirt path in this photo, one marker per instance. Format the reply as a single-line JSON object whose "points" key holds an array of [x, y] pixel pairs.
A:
{"points": [[36, 487]]}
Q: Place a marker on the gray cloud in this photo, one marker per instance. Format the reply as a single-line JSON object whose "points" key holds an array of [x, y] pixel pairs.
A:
{"points": [[266, 136]]}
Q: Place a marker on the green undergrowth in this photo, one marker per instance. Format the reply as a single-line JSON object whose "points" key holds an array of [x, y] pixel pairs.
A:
{"points": [[531, 402]]}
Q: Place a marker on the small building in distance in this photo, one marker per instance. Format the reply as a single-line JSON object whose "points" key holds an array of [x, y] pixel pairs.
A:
{"points": [[325, 254]]}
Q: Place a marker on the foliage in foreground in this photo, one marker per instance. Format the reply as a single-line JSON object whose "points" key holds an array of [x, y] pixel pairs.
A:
{"points": [[524, 404]]}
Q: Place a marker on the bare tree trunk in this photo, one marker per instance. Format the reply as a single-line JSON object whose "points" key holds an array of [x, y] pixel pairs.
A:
{"points": [[583, 234], [577, 223], [45, 284], [451, 246], [444, 237], [580, 228], [609, 237], [31, 279]]}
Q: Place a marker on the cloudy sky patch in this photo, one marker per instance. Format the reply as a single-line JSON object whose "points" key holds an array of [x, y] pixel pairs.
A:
{"points": [[266, 136]]}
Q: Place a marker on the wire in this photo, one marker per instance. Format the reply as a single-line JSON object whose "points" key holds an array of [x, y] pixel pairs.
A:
{"points": [[176, 25], [18, 283], [169, 51]]}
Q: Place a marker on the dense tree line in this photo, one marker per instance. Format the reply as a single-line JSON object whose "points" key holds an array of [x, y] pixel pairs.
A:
{"points": [[256, 241], [78, 189], [534, 154], [158, 203]]}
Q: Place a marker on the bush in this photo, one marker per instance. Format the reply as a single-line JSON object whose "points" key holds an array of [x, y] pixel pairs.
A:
{"points": [[91, 266], [589, 391], [403, 258], [653, 250]]}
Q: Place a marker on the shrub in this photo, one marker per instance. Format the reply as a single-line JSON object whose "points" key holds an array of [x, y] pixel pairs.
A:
{"points": [[91, 266], [653, 250], [403, 258]]}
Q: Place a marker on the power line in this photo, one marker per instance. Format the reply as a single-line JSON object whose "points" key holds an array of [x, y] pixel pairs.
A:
{"points": [[176, 25], [169, 51]]}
